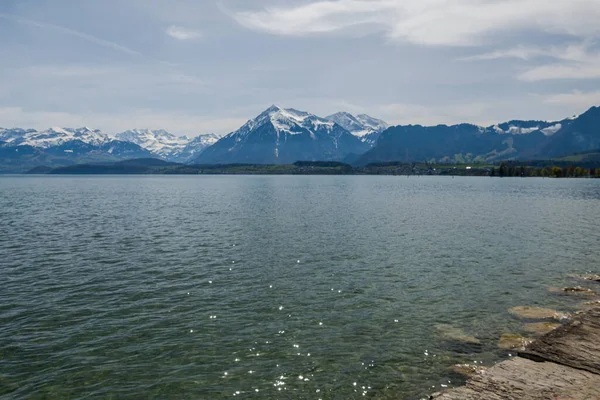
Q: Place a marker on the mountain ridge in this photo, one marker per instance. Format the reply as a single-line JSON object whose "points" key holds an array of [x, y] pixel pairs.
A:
{"points": [[168, 146], [279, 135], [72, 145], [512, 140], [364, 126]]}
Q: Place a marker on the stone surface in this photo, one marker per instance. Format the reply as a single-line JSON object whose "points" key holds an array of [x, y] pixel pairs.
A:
{"points": [[587, 277], [561, 365], [573, 290], [522, 379], [468, 370], [590, 305], [541, 328], [449, 332], [527, 312], [510, 341], [576, 344]]}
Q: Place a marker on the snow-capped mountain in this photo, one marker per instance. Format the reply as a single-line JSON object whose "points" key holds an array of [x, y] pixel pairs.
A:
{"points": [[375, 124], [23, 149], [52, 137], [73, 144], [512, 140], [160, 142], [365, 127], [526, 127], [10, 135], [279, 136], [198, 144], [166, 145]]}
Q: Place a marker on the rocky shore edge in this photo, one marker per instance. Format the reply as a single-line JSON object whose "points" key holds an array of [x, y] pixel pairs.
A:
{"points": [[563, 364]]}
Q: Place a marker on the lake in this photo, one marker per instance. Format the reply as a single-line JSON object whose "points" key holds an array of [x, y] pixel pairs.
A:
{"points": [[275, 287]]}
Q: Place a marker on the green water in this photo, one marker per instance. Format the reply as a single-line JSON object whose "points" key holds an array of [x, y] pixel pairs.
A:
{"points": [[307, 287]]}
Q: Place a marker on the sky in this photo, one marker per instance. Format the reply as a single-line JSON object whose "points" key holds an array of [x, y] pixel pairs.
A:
{"points": [[200, 66]]}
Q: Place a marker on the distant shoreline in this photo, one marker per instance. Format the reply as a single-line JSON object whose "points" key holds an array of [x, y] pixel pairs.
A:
{"points": [[158, 167]]}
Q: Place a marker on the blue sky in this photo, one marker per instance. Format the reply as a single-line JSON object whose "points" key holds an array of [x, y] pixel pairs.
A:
{"points": [[207, 66]]}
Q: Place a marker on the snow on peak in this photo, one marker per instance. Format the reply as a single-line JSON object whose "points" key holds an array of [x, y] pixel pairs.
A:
{"points": [[55, 136], [287, 121], [207, 138], [295, 122], [515, 129], [551, 130], [273, 108], [359, 125], [277, 113], [58, 130], [347, 121], [166, 144], [157, 141], [201, 142], [377, 125], [147, 134]]}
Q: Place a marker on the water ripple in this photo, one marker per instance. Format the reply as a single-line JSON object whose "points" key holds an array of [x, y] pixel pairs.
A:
{"points": [[274, 287]]}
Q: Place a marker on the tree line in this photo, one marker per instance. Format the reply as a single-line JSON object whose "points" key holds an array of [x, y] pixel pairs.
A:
{"points": [[548, 171]]}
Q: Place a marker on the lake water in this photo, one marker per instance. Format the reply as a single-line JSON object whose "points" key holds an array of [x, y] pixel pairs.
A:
{"points": [[274, 287]]}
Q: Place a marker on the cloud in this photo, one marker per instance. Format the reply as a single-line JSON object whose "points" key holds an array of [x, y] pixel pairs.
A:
{"points": [[573, 61], [319, 17], [179, 33], [579, 52], [71, 32], [68, 71], [562, 71], [575, 99], [408, 113], [102, 85], [177, 122], [519, 52], [489, 111], [429, 22]]}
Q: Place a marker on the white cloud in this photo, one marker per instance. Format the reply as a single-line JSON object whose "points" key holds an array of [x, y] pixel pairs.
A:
{"points": [[71, 32], [430, 22], [68, 71], [406, 113], [562, 71], [573, 61], [579, 52], [180, 33], [318, 17], [490, 111], [50, 81], [520, 52], [575, 99]]}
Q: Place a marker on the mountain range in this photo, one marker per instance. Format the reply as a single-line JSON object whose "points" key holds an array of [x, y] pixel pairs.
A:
{"points": [[168, 146], [513, 140], [284, 136], [23, 149]]}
